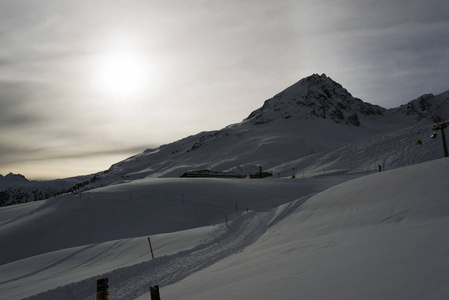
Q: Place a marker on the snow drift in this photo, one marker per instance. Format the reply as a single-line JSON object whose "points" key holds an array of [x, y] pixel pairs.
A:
{"points": [[378, 236]]}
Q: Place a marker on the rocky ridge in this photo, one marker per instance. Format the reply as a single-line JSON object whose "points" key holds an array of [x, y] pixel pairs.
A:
{"points": [[316, 96]]}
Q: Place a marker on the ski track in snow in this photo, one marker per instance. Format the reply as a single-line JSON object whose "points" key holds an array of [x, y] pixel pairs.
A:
{"points": [[289, 209], [133, 281]]}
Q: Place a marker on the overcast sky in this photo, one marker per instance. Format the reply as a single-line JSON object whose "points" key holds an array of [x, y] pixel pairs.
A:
{"points": [[85, 84]]}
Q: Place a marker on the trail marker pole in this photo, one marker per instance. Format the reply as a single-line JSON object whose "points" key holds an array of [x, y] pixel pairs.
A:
{"points": [[102, 289], [154, 292], [151, 248], [226, 218]]}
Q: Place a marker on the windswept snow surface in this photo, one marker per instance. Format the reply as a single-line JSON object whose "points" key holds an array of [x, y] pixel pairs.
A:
{"points": [[73, 237], [381, 236]]}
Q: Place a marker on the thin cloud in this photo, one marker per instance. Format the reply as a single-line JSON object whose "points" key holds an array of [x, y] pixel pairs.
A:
{"points": [[23, 155], [15, 109]]}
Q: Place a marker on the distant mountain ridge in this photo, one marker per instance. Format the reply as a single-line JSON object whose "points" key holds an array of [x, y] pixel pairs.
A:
{"points": [[313, 127], [318, 96], [12, 179], [16, 189], [427, 107]]}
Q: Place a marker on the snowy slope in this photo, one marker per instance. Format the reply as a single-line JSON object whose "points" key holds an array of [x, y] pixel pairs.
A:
{"points": [[378, 236], [73, 236], [390, 150], [382, 236], [51, 270], [280, 148], [138, 208]]}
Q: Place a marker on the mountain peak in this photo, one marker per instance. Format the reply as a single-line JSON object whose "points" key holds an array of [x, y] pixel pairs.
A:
{"points": [[429, 107], [11, 180], [316, 96], [13, 177]]}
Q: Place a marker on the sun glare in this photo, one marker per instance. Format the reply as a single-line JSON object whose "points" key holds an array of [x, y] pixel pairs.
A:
{"points": [[121, 75]]}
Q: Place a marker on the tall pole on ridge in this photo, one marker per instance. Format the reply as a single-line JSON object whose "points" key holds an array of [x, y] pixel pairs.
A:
{"points": [[441, 127]]}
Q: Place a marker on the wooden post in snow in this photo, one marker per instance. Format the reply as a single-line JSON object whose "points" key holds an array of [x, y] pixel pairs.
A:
{"points": [[154, 292], [102, 289], [151, 248]]}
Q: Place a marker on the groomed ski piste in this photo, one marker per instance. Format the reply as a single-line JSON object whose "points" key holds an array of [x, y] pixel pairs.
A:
{"points": [[379, 236]]}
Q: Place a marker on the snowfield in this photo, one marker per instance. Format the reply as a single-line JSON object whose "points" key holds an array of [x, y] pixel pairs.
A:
{"points": [[380, 236]]}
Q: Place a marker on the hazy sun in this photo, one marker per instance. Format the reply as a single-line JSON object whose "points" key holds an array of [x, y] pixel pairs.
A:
{"points": [[121, 74]]}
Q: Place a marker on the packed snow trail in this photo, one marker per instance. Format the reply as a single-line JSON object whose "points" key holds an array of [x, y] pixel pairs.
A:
{"points": [[131, 282]]}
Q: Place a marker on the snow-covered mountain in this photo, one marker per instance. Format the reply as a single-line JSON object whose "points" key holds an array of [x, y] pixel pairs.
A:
{"points": [[12, 179], [427, 107], [314, 119], [319, 97], [315, 97], [15, 188]]}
